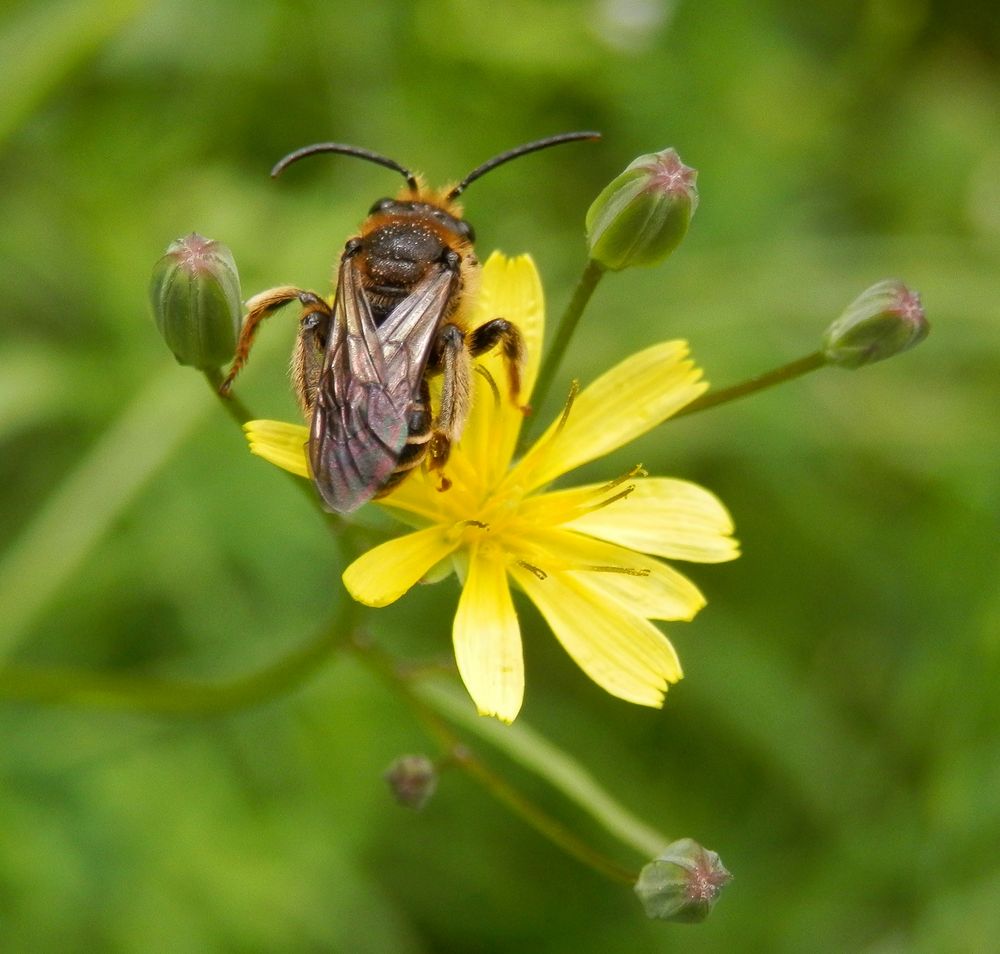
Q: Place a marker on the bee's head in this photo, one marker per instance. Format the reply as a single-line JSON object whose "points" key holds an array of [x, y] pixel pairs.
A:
{"points": [[425, 210]]}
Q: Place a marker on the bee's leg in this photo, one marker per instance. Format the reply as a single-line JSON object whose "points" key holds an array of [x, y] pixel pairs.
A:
{"points": [[451, 357], [263, 306], [309, 354], [501, 332]]}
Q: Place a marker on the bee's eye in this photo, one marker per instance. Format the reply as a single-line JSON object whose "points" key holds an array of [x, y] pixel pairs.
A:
{"points": [[381, 205], [466, 230]]}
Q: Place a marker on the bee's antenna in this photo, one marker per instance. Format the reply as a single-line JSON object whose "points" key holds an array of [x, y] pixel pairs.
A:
{"points": [[514, 153], [357, 151]]}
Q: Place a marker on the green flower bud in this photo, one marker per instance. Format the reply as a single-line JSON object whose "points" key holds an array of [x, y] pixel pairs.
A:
{"points": [[195, 295], [883, 321], [412, 779], [642, 215], [683, 883]]}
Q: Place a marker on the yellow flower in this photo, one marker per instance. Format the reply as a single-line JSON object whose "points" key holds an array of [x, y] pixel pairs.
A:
{"points": [[587, 557]]}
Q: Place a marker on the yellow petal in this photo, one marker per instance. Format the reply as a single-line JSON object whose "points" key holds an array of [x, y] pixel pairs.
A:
{"points": [[384, 574], [641, 585], [416, 497], [488, 640], [630, 399], [623, 653], [448, 495], [669, 518], [510, 289], [281, 444]]}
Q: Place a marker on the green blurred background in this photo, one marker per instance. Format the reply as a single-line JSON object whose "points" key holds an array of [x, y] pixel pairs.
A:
{"points": [[836, 736]]}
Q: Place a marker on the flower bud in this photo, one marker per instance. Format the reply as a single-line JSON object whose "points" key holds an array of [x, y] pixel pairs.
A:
{"points": [[683, 883], [885, 320], [642, 215], [195, 295], [412, 779]]}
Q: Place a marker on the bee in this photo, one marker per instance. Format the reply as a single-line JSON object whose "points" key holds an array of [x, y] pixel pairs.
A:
{"points": [[360, 366]]}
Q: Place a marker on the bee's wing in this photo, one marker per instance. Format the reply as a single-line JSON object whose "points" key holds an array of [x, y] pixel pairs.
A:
{"points": [[408, 333], [357, 431], [365, 390]]}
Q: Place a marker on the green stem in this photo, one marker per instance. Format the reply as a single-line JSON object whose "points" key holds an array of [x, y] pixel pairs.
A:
{"points": [[165, 697], [786, 372], [541, 821], [233, 406], [592, 274], [459, 755], [546, 760]]}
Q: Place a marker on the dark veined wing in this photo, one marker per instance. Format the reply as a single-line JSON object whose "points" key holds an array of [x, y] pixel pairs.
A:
{"points": [[357, 430], [408, 333], [366, 388]]}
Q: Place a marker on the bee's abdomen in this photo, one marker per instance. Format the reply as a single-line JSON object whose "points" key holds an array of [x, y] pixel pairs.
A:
{"points": [[419, 434]]}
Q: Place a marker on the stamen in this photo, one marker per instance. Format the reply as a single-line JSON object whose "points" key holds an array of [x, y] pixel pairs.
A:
{"points": [[489, 380], [637, 471], [574, 390], [625, 570], [621, 495], [553, 433], [467, 532], [531, 568]]}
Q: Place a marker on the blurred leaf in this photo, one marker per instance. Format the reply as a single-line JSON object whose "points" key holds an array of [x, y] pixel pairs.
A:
{"points": [[45, 43], [34, 388], [91, 498]]}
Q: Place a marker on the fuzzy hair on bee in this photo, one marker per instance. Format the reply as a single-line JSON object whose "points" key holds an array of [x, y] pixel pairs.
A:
{"points": [[405, 285]]}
